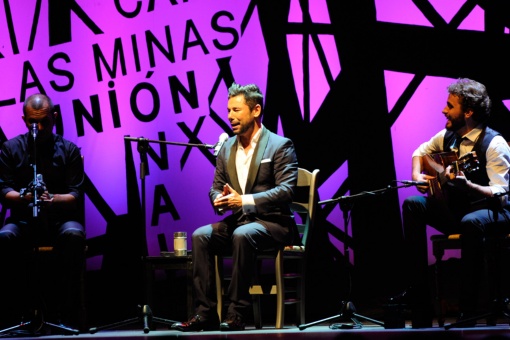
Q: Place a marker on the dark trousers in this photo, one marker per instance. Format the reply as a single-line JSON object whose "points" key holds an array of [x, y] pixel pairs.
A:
{"points": [[19, 266], [475, 227], [242, 241]]}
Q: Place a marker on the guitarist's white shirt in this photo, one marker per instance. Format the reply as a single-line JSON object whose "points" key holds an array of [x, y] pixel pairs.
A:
{"points": [[498, 157]]}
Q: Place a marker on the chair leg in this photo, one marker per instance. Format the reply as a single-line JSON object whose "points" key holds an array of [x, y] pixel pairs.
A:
{"points": [[83, 320], [493, 253], [301, 295], [257, 318], [440, 302], [218, 270], [279, 290], [255, 293]]}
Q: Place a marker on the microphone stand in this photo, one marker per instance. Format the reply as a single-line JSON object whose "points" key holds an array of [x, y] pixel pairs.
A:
{"points": [[37, 183], [146, 317], [35, 208], [37, 186], [347, 310]]}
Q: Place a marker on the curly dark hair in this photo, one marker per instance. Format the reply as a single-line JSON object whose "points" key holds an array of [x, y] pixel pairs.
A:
{"points": [[251, 92], [473, 96]]}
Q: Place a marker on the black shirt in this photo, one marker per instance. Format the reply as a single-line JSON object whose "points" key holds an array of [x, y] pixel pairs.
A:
{"points": [[58, 161]]}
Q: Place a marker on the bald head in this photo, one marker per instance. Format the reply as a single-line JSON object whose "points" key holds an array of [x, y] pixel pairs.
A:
{"points": [[38, 109], [38, 102]]}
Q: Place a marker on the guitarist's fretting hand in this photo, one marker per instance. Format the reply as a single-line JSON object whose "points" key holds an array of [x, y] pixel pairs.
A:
{"points": [[457, 179]]}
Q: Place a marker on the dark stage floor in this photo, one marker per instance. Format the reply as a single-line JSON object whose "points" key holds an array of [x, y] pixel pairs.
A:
{"points": [[315, 331]]}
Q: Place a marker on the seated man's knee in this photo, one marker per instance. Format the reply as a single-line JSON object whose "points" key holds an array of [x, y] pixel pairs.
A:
{"points": [[74, 235], [201, 236], [5, 236], [240, 238], [9, 240], [71, 236], [9, 232], [471, 225], [413, 202]]}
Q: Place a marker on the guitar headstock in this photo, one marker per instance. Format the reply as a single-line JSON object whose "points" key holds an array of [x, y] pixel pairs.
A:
{"points": [[467, 163]]}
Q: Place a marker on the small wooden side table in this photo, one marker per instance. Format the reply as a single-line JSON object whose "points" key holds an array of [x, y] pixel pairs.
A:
{"points": [[168, 261]]}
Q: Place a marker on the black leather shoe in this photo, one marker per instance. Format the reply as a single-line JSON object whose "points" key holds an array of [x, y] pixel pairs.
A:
{"points": [[195, 324], [232, 322]]}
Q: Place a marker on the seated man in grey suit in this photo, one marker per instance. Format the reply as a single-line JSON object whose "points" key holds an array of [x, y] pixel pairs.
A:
{"points": [[255, 177]]}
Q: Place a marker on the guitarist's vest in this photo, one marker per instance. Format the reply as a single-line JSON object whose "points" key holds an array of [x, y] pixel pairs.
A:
{"points": [[459, 200]]}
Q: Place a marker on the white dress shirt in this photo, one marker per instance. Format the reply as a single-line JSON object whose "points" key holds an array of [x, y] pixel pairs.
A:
{"points": [[243, 161], [497, 155]]}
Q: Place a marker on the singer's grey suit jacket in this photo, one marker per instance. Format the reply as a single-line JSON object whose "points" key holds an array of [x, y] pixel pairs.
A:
{"points": [[272, 179]]}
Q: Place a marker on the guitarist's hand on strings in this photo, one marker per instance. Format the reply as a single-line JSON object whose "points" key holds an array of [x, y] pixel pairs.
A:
{"points": [[457, 178]]}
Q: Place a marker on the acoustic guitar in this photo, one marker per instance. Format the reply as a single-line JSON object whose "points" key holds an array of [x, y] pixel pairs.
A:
{"points": [[435, 165]]}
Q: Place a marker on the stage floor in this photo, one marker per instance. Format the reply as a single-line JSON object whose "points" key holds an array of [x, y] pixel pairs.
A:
{"points": [[316, 331]]}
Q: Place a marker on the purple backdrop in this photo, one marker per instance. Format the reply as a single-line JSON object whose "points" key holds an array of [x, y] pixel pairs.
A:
{"points": [[146, 68]]}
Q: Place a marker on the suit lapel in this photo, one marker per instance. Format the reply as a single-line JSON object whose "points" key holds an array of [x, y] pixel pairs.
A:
{"points": [[231, 167], [257, 157]]}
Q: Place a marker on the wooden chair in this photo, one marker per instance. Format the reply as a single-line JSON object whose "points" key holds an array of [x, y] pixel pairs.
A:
{"points": [[304, 207], [441, 243]]}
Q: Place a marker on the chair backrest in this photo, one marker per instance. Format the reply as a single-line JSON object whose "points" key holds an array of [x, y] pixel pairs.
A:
{"points": [[305, 201]]}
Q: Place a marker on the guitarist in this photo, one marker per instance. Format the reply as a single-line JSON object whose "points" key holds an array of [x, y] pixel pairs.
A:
{"points": [[476, 201]]}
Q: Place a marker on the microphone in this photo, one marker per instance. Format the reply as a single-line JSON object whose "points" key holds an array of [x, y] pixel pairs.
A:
{"points": [[34, 130], [414, 183], [332, 200], [217, 147]]}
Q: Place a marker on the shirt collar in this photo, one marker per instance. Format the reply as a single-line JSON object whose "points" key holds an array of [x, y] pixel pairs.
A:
{"points": [[473, 134]]}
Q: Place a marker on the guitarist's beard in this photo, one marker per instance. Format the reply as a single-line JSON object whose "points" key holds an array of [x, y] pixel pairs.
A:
{"points": [[455, 124]]}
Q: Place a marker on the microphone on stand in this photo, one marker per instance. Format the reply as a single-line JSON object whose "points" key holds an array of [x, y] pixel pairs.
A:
{"points": [[217, 147], [332, 200], [34, 130], [414, 183]]}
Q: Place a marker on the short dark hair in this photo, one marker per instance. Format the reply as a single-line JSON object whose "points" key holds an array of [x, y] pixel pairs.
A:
{"points": [[251, 92], [473, 96], [37, 101]]}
